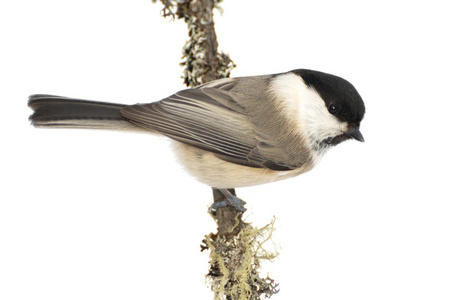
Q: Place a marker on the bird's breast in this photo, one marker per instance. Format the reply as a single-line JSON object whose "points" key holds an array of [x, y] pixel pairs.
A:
{"points": [[217, 173]]}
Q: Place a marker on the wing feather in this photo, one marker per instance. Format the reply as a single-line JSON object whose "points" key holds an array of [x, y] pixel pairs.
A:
{"points": [[214, 117], [207, 118]]}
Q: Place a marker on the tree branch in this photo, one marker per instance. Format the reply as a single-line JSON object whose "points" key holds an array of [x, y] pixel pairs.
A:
{"points": [[236, 249]]}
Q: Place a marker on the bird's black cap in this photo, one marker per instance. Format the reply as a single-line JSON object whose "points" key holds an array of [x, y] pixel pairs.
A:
{"points": [[338, 94]]}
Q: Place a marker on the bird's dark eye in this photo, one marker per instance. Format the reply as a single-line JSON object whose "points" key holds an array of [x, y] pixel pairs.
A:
{"points": [[332, 109]]}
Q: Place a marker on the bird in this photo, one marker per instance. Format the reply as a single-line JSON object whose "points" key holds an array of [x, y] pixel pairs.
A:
{"points": [[231, 132]]}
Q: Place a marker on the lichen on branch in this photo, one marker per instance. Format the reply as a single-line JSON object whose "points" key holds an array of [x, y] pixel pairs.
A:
{"points": [[201, 60], [235, 264]]}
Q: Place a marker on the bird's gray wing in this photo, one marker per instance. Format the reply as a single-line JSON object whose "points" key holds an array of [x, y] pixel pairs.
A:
{"points": [[212, 118]]}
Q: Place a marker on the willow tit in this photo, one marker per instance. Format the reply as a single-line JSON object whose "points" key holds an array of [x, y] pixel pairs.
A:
{"points": [[232, 132]]}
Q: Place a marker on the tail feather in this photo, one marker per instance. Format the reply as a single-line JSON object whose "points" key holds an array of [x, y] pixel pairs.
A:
{"points": [[57, 111]]}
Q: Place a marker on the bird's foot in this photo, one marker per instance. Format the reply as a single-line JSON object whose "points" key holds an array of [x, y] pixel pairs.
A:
{"points": [[230, 199]]}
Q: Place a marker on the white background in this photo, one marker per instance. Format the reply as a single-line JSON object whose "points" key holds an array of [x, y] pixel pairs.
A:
{"points": [[107, 215]]}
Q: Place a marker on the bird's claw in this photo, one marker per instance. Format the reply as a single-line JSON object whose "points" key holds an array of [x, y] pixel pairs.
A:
{"points": [[230, 199]]}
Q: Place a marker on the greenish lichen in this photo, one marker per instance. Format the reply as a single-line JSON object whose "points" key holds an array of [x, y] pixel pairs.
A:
{"points": [[235, 264], [201, 60]]}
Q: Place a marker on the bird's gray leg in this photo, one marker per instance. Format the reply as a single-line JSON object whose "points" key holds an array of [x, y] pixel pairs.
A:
{"points": [[224, 197]]}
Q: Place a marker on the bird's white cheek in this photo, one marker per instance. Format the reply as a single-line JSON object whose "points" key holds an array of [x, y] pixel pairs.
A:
{"points": [[319, 124]]}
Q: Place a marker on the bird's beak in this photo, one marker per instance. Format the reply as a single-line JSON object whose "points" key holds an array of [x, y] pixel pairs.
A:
{"points": [[354, 133]]}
